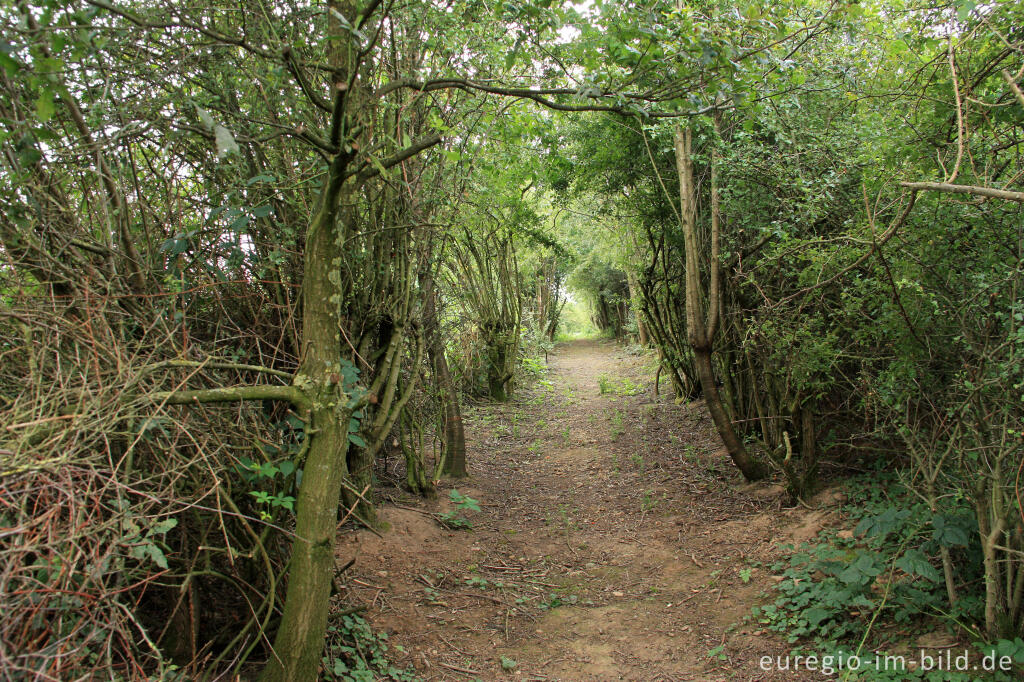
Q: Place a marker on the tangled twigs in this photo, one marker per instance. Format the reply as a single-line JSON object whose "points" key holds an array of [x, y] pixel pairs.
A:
{"points": [[112, 563]]}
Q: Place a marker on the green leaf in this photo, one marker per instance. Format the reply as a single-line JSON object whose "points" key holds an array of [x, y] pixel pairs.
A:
{"points": [[949, 531], [349, 374], [286, 501], [1012, 648], [45, 107], [157, 555], [377, 164], [164, 526], [964, 9], [216, 212], [239, 223], [914, 562], [861, 570], [175, 246], [356, 440], [882, 524], [815, 616], [10, 65]]}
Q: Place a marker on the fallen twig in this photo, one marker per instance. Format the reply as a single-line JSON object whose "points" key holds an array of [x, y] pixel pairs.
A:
{"points": [[456, 668]]}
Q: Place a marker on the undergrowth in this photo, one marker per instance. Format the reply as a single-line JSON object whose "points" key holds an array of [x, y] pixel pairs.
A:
{"points": [[882, 586], [355, 653]]}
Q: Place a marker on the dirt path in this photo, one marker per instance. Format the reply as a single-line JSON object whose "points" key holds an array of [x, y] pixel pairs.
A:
{"points": [[615, 542]]}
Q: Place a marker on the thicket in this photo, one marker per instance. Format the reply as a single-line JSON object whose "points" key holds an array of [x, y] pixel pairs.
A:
{"points": [[250, 255]]}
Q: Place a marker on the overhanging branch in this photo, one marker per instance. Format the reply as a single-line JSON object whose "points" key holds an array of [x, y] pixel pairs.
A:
{"points": [[543, 97]]}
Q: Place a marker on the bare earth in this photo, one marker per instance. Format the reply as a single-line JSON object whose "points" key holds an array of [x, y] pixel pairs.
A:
{"points": [[615, 542]]}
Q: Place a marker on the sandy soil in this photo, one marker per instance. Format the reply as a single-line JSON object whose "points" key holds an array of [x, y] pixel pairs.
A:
{"points": [[615, 541]]}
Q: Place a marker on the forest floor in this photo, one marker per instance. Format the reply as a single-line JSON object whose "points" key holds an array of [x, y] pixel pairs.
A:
{"points": [[615, 541]]}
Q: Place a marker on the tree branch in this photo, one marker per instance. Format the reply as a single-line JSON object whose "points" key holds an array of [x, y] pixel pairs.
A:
{"points": [[543, 96], [1013, 86], [222, 365], [398, 157], [990, 192], [233, 394], [875, 244], [293, 66]]}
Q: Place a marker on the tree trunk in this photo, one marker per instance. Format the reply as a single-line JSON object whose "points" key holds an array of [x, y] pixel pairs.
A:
{"points": [[454, 434], [808, 448], [497, 376], [750, 468], [299, 643], [701, 333]]}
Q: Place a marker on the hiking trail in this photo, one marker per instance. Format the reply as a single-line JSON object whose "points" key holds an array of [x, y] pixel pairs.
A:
{"points": [[615, 541]]}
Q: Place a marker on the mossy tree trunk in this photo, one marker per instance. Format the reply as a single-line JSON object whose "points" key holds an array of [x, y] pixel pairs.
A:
{"points": [[701, 331], [298, 645]]}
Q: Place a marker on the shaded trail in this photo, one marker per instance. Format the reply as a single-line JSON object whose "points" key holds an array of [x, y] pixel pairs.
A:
{"points": [[616, 541]]}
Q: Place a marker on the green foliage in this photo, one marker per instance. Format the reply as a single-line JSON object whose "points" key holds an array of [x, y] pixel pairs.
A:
{"points": [[355, 653], [576, 323], [535, 367], [275, 481], [718, 653], [167, 207], [618, 386], [453, 519], [144, 537], [617, 420], [481, 582], [844, 591], [555, 600], [603, 286]]}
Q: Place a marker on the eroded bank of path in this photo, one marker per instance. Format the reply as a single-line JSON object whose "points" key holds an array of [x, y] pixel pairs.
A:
{"points": [[615, 542]]}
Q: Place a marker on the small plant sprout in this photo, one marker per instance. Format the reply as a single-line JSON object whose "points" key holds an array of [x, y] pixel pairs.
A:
{"points": [[453, 519]]}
